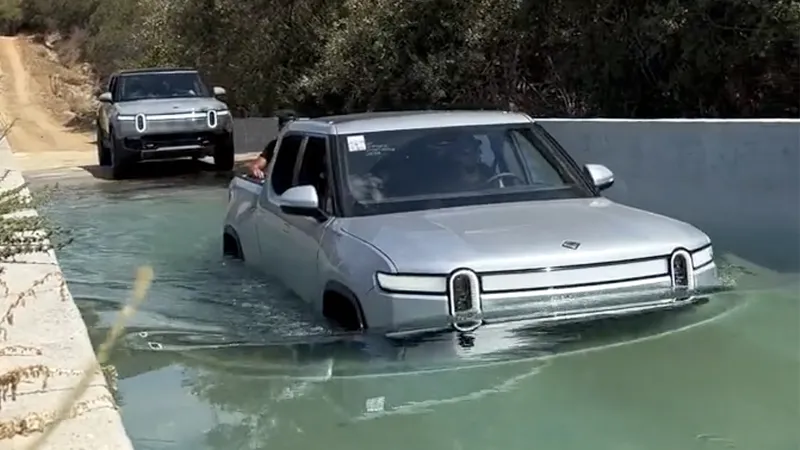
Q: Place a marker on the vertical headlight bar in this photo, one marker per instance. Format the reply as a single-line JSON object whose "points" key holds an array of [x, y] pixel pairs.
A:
{"points": [[464, 300]]}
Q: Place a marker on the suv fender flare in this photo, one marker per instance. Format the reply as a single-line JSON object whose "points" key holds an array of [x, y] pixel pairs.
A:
{"points": [[227, 229], [345, 292]]}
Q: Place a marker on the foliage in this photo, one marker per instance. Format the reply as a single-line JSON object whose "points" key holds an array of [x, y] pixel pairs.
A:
{"points": [[11, 15], [671, 58]]}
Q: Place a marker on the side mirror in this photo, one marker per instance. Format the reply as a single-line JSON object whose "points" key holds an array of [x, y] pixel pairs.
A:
{"points": [[300, 201], [218, 91], [105, 97], [601, 176]]}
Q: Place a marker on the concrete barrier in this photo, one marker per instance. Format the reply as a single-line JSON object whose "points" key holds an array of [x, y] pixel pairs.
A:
{"points": [[44, 347], [739, 180], [253, 133]]}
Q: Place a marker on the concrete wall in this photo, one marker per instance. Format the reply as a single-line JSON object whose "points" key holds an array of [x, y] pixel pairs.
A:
{"points": [[47, 334], [737, 180], [252, 134]]}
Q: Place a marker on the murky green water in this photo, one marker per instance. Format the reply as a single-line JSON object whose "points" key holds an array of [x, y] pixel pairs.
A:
{"points": [[219, 359]]}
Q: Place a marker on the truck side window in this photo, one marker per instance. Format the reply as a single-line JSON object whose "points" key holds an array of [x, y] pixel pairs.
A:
{"points": [[112, 87], [283, 167], [313, 171]]}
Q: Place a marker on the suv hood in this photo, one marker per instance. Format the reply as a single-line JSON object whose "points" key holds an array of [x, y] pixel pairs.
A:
{"points": [[169, 105], [522, 236]]}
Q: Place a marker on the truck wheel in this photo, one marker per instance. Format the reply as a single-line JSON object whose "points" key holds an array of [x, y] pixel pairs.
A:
{"points": [[103, 153], [223, 154], [120, 159]]}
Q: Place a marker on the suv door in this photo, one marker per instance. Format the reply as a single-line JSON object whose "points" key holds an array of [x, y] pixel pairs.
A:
{"points": [[105, 108], [305, 233], [271, 227]]}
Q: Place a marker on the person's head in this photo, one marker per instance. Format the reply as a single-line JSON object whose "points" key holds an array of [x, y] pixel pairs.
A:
{"points": [[135, 86], [284, 117], [463, 152]]}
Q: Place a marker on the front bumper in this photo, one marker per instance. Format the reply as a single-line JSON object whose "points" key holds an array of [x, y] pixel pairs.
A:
{"points": [[422, 313], [173, 136]]}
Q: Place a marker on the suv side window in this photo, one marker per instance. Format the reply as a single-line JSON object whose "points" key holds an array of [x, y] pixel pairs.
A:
{"points": [[314, 171], [287, 152], [112, 87]]}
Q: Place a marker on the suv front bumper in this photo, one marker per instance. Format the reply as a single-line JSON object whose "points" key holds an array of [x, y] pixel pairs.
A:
{"points": [[413, 314], [173, 135]]}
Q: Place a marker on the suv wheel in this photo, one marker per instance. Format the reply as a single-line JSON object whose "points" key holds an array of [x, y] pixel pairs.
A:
{"points": [[120, 160], [224, 154], [103, 153]]}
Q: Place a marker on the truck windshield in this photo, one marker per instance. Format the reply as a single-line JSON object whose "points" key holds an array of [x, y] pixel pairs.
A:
{"points": [[404, 170], [161, 85]]}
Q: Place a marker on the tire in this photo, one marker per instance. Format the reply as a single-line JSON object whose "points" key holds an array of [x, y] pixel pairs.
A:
{"points": [[224, 154], [103, 153], [120, 160]]}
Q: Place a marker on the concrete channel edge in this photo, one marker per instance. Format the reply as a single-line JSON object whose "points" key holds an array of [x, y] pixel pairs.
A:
{"points": [[44, 350]]}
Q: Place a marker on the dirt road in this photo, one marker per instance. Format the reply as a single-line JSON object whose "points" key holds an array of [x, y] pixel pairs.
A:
{"points": [[44, 147], [38, 138]]}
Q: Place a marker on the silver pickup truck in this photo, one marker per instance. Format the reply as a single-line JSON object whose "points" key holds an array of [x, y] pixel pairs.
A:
{"points": [[409, 222], [156, 114]]}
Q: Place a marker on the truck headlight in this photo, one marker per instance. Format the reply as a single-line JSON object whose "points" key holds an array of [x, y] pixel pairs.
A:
{"points": [[416, 284], [126, 118]]}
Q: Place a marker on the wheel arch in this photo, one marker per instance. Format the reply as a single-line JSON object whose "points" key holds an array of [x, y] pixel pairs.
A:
{"points": [[339, 290], [231, 244]]}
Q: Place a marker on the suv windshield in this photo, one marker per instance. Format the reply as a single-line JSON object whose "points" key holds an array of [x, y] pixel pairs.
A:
{"points": [[395, 171], [161, 85]]}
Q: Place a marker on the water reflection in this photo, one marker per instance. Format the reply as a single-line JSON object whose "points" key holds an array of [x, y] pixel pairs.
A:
{"points": [[283, 391]]}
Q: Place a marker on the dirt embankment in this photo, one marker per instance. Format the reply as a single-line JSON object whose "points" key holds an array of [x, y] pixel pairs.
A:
{"points": [[38, 95]]}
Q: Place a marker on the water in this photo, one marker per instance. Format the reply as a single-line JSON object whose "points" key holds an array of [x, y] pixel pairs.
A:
{"points": [[219, 358]]}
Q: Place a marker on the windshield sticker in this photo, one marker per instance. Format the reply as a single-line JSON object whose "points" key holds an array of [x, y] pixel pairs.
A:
{"points": [[356, 143]]}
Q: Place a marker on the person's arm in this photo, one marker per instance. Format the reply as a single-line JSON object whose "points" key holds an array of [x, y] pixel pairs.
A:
{"points": [[260, 163]]}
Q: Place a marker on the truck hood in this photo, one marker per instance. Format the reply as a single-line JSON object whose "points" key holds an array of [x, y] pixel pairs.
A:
{"points": [[169, 106], [522, 236]]}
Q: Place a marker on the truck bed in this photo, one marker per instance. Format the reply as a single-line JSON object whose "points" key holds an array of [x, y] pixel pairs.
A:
{"points": [[244, 189]]}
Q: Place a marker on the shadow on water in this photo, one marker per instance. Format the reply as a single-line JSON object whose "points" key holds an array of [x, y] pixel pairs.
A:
{"points": [[168, 172]]}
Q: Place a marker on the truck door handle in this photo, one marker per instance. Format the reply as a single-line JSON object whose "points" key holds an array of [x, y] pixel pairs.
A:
{"points": [[285, 228]]}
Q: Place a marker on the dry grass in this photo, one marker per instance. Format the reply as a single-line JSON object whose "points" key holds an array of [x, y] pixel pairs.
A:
{"points": [[67, 85]]}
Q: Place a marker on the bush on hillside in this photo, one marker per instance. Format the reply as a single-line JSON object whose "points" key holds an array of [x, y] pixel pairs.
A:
{"points": [[711, 58], [11, 16]]}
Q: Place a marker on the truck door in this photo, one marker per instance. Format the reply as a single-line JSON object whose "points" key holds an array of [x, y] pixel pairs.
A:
{"points": [[105, 108], [305, 233], [271, 227]]}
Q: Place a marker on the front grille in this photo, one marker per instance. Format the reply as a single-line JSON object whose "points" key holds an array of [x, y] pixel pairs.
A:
{"points": [[462, 293], [155, 141]]}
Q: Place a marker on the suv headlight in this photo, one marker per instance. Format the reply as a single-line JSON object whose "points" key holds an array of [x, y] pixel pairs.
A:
{"points": [[702, 257], [417, 284]]}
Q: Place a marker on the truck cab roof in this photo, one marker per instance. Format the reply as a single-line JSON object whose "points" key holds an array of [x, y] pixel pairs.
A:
{"points": [[372, 122], [154, 70]]}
